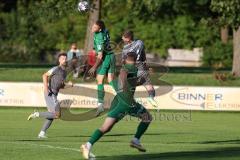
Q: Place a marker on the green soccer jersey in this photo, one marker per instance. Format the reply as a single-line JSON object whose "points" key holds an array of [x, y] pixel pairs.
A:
{"points": [[124, 103], [102, 42], [127, 94]]}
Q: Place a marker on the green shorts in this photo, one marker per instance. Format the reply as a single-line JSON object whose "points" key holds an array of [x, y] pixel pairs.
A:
{"points": [[108, 65], [119, 109]]}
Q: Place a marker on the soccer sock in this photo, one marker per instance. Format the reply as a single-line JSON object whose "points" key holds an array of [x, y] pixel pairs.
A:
{"points": [[89, 145], [46, 124], [136, 140], [142, 127], [47, 115], [95, 136], [151, 93], [101, 93]]}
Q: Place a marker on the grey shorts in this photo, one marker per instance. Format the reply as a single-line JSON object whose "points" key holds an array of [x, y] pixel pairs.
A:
{"points": [[52, 103]]}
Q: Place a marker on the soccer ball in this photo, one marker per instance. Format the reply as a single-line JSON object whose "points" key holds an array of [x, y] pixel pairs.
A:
{"points": [[83, 6]]}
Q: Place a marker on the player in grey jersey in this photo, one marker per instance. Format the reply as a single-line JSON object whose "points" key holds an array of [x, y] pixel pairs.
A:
{"points": [[137, 46], [53, 81]]}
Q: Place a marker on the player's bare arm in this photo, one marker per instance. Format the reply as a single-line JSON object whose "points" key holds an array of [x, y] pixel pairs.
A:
{"points": [[45, 82], [123, 79]]}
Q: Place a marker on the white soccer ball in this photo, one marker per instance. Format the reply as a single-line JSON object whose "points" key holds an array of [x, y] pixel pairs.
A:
{"points": [[83, 6]]}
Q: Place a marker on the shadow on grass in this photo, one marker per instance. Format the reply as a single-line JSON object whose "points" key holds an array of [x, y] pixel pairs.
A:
{"points": [[231, 141], [31, 140], [128, 134], [215, 153]]}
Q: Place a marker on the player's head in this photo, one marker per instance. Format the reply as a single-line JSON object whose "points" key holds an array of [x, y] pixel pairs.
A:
{"points": [[98, 26], [62, 59], [127, 36], [130, 58], [74, 46]]}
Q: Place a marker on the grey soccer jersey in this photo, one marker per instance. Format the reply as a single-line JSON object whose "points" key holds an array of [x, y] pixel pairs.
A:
{"points": [[57, 76], [136, 46]]}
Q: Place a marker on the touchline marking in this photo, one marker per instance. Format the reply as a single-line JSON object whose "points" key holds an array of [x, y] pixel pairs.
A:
{"points": [[44, 145]]}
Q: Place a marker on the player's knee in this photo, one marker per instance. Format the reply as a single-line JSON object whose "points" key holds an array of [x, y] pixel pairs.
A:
{"points": [[105, 129]]}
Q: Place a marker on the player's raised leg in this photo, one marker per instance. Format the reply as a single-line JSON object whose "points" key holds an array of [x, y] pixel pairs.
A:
{"points": [[53, 113]]}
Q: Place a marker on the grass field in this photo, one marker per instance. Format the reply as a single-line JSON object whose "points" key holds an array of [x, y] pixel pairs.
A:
{"points": [[198, 79], [193, 135]]}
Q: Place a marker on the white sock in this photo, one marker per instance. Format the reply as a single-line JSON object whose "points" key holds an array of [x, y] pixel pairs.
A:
{"points": [[135, 140], [37, 114], [89, 145], [42, 133], [99, 103]]}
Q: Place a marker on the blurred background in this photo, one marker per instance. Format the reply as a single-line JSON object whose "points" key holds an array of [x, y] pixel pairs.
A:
{"points": [[32, 31]]}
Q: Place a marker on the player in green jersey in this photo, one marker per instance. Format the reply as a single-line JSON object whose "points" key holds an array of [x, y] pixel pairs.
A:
{"points": [[105, 62], [123, 104]]}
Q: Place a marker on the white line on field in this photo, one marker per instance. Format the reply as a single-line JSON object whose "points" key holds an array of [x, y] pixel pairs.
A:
{"points": [[44, 145]]}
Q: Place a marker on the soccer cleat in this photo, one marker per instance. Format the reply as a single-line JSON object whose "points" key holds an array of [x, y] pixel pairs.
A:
{"points": [[100, 109], [42, 136], [137, 146], [33, 115], [85, 151], [91, 156], [153, 102]]}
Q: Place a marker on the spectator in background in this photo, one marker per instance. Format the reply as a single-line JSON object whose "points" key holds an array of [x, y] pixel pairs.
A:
{"points": [[73, 59], [91, 59]]}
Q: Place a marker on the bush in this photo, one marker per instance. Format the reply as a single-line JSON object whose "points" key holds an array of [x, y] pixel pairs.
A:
{"points": [[218, 55]]}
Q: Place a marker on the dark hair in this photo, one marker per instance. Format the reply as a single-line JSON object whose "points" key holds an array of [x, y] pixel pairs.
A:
{"points": [[128, 34], [131, 56], [62, 54], [101, 24]]}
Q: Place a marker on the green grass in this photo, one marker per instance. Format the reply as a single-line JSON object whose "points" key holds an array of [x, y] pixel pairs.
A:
{"points": [[22, 74], [197, 79], [195, 135]]}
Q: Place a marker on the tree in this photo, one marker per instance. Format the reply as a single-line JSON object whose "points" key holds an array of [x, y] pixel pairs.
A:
{"points": [[94, 15], [229, 11]]}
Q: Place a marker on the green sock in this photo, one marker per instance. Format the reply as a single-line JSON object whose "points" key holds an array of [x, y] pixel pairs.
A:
{"points": [[142, 127], [101, 93], [95, 136]]}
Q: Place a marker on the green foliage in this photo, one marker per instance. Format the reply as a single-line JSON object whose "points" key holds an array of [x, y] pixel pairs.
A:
{"points": [[32, 31], [218, 55], [35, 30], [228, 10], [162, 24]]}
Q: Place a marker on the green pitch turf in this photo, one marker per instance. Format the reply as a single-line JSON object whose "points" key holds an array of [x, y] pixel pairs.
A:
{"points": [[191, 79], [173, 135]]}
